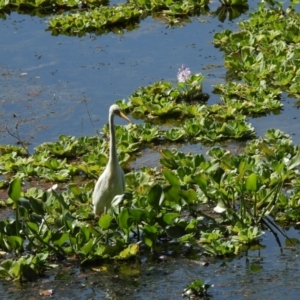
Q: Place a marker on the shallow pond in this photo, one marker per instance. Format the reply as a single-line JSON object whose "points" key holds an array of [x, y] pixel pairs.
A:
{"points": [[52, 85]]}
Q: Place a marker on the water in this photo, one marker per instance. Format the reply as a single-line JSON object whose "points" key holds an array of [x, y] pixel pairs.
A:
{"points": [[59, 72]]}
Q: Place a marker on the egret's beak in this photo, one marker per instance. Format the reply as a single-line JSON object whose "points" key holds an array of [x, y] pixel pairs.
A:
{"points": [[124, 117]]}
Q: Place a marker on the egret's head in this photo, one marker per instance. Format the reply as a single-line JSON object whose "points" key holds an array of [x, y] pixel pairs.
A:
{"points": [[116, 111]]}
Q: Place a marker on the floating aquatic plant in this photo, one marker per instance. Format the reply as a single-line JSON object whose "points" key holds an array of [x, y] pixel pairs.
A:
{"points": [[100, 20], [26, 268], [265, 50], [198, 288], [250, 99]]}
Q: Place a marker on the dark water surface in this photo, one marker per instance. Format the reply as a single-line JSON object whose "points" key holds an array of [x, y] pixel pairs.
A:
{"points": [[268, 274], [46, 78], [44, 82]]}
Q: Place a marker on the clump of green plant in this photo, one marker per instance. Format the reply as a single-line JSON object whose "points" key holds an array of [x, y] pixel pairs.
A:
{"points": [[250, 99], [241, 192], [255, 53], [26, 268], [99, 20], [162, 99], [197, 289]]}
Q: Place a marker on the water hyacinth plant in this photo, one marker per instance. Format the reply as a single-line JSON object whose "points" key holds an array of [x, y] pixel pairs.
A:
{"points": [[160, 205], [197, 290]]}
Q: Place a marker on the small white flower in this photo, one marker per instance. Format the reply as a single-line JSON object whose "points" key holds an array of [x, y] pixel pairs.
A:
{"points": [[183, 73]]}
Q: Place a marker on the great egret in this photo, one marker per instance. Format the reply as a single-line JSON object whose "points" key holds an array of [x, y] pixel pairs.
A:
{"points": [[112, 181]]}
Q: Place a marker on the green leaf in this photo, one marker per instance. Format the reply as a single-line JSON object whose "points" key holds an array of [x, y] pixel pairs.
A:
{"points": [[33, 227], [252, 182], [123, 219], [75, 190], [294, 162], [156, 196], [38, 206], [15, 241], [7, 264], [104, 221], [169, 217], [86, 249], [16, 268], [14, 189], [171, 177], [130, 251], [189, 196], [200, 179], [60, 238], [150, 235], [24, 203], [137, 214], [172, 193], [4, 273]]}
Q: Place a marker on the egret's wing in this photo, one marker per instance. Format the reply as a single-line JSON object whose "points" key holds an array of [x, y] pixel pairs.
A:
{"points": [[109, 184], [101, 189]]}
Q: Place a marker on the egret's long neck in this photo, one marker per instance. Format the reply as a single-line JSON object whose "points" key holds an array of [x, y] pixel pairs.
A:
{"points": [[113, 158]]}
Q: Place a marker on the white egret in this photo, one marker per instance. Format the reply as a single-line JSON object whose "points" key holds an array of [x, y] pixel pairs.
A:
{"points": [[112, 181]]}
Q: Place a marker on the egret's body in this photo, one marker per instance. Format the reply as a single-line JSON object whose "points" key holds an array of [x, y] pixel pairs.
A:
{"points": [[112, 181]]}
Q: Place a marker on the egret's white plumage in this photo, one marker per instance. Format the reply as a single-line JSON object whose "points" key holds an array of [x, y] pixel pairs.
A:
{"points": [[112, 181]]}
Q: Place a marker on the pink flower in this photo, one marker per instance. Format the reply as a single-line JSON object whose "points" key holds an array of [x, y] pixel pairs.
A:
{"points": [[183, 73]]}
